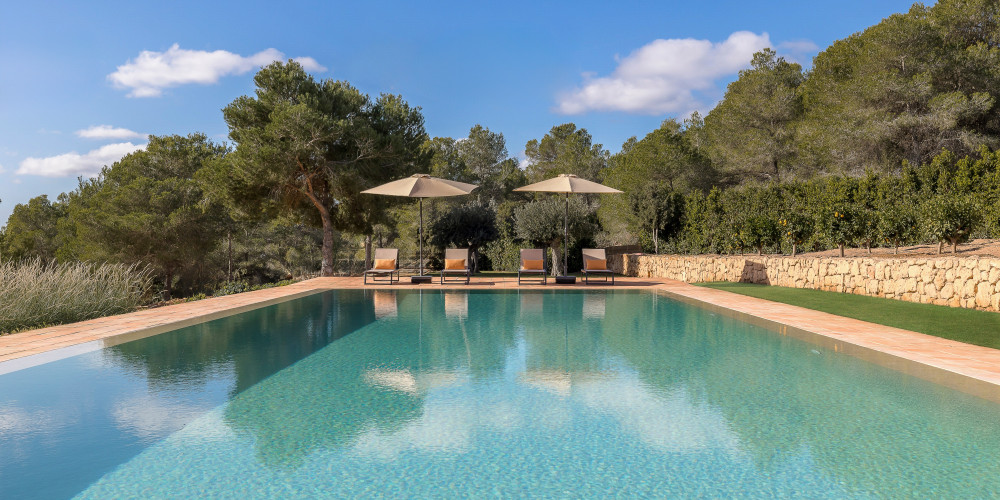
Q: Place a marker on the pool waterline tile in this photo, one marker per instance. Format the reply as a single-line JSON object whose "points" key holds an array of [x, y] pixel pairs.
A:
{"points": [[969, 368]]}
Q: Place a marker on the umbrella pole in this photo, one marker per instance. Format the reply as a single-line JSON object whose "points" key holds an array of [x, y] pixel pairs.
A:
{"points": [[566, 239], [420, 202]]}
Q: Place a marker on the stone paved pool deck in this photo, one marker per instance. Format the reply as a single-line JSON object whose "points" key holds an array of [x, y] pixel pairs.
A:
{"points": [[969, 368]]}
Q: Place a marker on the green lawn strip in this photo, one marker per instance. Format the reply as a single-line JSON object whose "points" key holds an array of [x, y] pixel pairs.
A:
{"points": [[964, 325]]}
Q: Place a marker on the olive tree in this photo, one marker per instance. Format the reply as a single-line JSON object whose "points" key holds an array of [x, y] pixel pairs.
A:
{"points": [[469, 225], [541, 223]]}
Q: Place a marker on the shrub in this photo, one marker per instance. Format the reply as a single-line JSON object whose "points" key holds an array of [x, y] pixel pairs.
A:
{"points": [[796, 228], [503, 254], [866, 222], [898, 225], [951, 219], [838, 225], [34, 294]]}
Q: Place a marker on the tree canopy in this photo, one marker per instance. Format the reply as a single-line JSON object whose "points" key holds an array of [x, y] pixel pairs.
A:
{"points": [[752, 131], [565, 149], [890, 138], [312, 146], [148, 208]]}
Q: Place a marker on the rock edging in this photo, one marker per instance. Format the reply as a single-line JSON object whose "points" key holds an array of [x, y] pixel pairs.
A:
{"points": [[972, 282]]}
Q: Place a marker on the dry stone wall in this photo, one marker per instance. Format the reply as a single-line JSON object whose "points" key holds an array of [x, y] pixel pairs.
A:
{"points": [[972, 282]]}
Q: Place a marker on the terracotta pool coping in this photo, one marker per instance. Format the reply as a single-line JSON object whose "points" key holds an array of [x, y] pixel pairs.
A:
{"points": [[969, 368]]}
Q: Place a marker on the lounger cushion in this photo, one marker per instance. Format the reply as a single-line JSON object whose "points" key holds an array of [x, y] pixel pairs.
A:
{"points": [[385, 264], [533, 265], [454, 264], [596, 264]]}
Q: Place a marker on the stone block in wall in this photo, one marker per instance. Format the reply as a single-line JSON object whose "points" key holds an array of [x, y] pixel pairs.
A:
{"points": [[969, 290], [956, 281], [983, 295]]}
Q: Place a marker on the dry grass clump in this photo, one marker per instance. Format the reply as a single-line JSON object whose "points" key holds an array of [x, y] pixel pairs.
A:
{"points": [[34, 294]]}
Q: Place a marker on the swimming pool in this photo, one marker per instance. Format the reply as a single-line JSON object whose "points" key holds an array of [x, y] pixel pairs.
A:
{"points": [[442, 394]]}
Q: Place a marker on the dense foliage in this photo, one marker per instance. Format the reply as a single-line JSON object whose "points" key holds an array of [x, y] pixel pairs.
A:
{"points": [[308, 149], [889, 138]]}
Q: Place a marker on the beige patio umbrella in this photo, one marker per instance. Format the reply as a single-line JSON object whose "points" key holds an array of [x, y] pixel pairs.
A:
{"points": [[422, 186], [566, 184]]}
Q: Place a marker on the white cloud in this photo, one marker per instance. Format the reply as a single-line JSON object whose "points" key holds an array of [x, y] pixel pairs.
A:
{"points": [[799, 51], [151, 72], [108, 132], [150, 417], [74, 164], [664, 76]]}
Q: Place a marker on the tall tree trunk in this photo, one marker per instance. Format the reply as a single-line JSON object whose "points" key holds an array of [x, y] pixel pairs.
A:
{"points": [[656, 240], [326, 268], [868, 246], [167, 281], [895, 250], [954, 246], [841, 247], [940, 246], [794, 247], [368, 251], [229, 270]]}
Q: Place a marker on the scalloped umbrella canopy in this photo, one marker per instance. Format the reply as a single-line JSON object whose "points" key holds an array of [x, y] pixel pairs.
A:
{"points": [[422, 186], [566, 184]]}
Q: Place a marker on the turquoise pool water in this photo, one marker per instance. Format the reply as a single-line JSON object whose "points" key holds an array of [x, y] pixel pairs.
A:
{"points": [[455, 394]]}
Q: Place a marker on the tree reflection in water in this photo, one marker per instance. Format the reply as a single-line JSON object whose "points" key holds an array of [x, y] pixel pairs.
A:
{"points": [[252, 345], [441, 375]]}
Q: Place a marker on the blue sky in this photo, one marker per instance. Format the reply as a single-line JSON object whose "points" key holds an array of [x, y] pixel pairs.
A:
{"points": [[83, 82]]}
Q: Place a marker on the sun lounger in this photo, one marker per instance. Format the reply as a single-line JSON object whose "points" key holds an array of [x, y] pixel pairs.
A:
{"points": [[386, 265], [595, 263], [456, 263], [532, 264]]}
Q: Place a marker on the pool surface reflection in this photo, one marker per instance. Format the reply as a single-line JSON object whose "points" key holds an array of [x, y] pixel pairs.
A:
{"points": [[449, 393]]}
